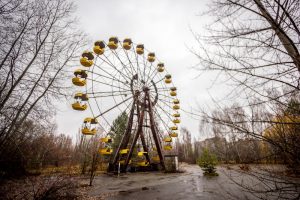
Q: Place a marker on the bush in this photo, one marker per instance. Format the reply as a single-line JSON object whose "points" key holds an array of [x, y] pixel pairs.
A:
{"points": [[208, 162]]}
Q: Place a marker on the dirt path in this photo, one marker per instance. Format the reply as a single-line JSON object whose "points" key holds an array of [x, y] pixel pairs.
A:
{"points": [[156, 185]]}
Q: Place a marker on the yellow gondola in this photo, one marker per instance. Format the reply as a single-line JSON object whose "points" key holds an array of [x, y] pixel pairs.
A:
{"points": [[176, 101], [155, 158], [80, 77], [160, 67], [173, 93], [167, 139], [82, 96], [140, 49], [151, 57], [87, 59], [105, 151], [127, 43], [89, 126], [173, 134], [113, 43], [99, 47], [168, 147], [122, 162], [173, 89], [174, 128], [124, 151], [176, 121], [90, 120], [176, 115], [168, 78], [176, 107], [142, 153], [87, 131], [79, 82], [106, 139], [143, 164], [79, 106]]}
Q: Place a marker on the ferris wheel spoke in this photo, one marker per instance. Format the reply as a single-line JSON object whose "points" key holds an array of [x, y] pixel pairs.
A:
{"points": [[144, 64], [97, 104], [159, 80], [111, 95], [113, 66], [105, 120], [106, 84], [122, 95], [166, 102], [109, 92], [164, 110], [100, 75], [148, 74], [130, 63], [106, 111], [162, 120], [138, 65], [102, 69], [90, 91], [95, 117], [170, 97], [156, 72], [161, 107], [163, 89], [135, 56], [124, 66], [128, 72]]}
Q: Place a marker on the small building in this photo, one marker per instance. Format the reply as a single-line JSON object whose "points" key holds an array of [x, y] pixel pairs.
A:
{"points": [[171, 163]]}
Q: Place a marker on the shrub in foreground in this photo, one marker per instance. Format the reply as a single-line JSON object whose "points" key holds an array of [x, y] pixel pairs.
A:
{"points": [[208, 162]]}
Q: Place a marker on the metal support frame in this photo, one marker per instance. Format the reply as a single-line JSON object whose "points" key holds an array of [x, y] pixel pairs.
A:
{"points": [[154, 133], [146, 106], [143, 138], [137, 134], [126, 135]]}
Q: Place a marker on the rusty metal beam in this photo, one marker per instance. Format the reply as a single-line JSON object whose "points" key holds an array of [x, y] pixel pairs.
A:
{"points": [[138, 132], [143, 139], [126, 135], [154, 133], [145, 146]]}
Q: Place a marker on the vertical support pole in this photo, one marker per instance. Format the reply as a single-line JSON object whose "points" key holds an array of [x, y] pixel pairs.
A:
{"points": [[145, 147], [126, 135], [119, 169], [138, 132], [143, 140], [154, 133]]}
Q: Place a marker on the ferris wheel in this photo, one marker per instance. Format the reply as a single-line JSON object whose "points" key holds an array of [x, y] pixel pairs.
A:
{"points": [[124, 77]]}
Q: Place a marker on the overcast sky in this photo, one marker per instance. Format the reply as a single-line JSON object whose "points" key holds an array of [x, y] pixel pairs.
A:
{"points": [[163, 26]]}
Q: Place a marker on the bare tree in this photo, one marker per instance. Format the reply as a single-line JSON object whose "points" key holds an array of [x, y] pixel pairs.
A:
{"points": [[39, 41], [255, 44]]}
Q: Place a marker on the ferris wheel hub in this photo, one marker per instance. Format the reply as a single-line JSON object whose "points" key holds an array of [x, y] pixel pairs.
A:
{"points": [[146, 89]]}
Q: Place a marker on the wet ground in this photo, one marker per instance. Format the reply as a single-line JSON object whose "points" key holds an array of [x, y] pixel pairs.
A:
{"points": [[157, 185]]}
